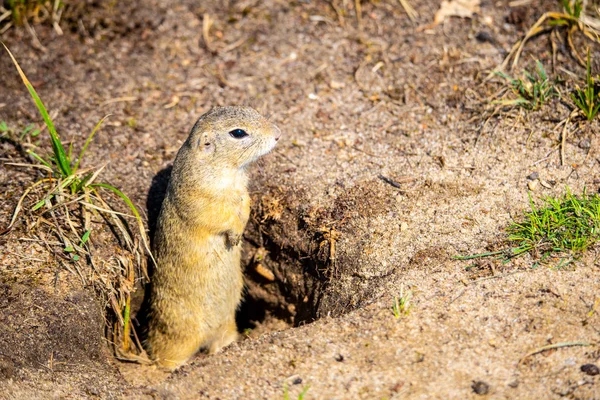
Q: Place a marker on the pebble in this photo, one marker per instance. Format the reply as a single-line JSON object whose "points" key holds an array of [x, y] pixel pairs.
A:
{"points": [[533, 176], [590, 369], [532, 185], [480, 387], [585, 144], [484, 36]]}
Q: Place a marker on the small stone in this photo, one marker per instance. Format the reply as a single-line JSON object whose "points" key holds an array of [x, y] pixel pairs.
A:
{"points": [[514, 384], [264, 272], [484, 36], [336, 85], [297, 381], [533, 176], [339, 358], [403, 227], [570, 361], [590, 369], [585, 144], [480, 387], [532, 185]]}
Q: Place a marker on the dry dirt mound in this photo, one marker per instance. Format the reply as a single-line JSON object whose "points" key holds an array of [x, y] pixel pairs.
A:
{"points": [[388, 167]]}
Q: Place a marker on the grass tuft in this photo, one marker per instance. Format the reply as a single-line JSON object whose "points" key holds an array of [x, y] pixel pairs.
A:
{"points": [[402, 303], [572, 9], [572, 18], [68, 185], [588, 99], [562, 228], [28, 130], [532, 91], [23, 10], [567, 225]]}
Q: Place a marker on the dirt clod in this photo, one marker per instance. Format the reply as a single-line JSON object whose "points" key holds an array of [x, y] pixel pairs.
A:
{"points": [[480, 387], [7, 368], [590, 369]]}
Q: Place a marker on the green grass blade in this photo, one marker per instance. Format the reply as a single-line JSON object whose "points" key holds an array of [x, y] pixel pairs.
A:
{"points": [[83, 183], [127, 201], [26, 131], [61, 157], [122, 195], [40, 159], [85, 237], [541, 71], [38, 205], [87, 143], [303, 393]]}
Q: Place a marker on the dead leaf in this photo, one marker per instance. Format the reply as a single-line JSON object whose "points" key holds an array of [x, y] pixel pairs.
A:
{"points": [[456, 8]]}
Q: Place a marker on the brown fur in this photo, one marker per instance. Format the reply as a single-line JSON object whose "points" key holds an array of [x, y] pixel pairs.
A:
{"points": [[197, 284]]}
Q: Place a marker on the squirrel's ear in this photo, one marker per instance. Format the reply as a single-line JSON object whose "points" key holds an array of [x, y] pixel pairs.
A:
{"points": [[205, 143]]}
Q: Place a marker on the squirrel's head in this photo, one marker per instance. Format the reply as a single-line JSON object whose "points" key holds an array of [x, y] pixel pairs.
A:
{"points": [[232, 137]]}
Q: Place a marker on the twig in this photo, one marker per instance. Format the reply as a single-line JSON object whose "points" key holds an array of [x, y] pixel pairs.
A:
{"points": [[207, 22], [234, 45], [563, 137], [396, 183], [34, 37], [106, 210], [553, 346], [40, 166], [572, 46], [411, 12], [118, 100], [338, 12], [358, 9]]}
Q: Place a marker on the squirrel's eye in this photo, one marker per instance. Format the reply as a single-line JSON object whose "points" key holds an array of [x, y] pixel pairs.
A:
{"points": [[238, 133]]}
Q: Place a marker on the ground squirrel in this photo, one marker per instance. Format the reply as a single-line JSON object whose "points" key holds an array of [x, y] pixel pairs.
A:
{"points": [[197, 283]]}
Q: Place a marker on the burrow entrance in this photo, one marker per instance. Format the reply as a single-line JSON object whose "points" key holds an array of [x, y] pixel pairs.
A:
{"points": [[284, 286]]}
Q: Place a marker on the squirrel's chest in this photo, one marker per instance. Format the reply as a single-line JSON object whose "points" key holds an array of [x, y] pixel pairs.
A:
{"points": [[236, 200]]}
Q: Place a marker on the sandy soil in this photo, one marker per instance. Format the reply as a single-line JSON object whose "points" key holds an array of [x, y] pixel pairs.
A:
{"points": [[359, 108]]}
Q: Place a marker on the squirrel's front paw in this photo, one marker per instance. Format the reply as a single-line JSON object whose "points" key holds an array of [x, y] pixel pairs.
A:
{"points": [[232, 239]]}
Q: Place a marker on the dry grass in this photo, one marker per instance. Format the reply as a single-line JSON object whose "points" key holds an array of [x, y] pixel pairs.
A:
{"points": [[31, 12], [573, 18], [71, 205]]}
